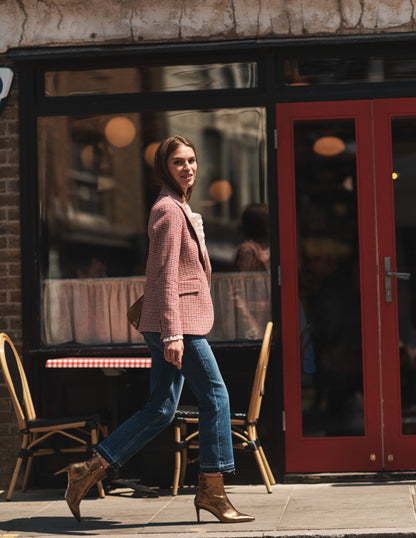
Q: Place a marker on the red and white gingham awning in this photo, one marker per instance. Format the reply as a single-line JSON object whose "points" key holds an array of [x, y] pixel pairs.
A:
{"points": [[92, 362]]}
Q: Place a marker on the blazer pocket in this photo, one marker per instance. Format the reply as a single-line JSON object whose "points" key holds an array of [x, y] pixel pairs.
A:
{"points": [[186, 287]]}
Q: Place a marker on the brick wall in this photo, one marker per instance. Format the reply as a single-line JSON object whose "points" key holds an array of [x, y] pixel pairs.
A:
{"points": [[10, 283]]}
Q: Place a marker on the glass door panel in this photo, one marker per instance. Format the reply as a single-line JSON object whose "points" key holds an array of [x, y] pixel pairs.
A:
{"points": [[329, 278], [403, 133]]}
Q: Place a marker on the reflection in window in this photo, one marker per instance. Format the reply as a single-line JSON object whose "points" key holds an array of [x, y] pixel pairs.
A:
{"points": [[347, 70], [96, 189], [165, 78], [329, 282], [403, 131]]}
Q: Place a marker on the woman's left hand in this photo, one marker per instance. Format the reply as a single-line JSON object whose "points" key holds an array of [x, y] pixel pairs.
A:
{"points": [[174, 352]]}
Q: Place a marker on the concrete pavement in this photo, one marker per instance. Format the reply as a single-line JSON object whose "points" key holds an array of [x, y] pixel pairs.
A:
{"points": [[304, 510]]}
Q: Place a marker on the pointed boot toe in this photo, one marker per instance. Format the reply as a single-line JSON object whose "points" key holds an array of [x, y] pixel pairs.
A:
{"points": [[81, 478]]}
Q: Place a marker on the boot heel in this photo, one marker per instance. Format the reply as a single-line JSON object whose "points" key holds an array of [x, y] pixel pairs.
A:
{"points": [[197, 513]]}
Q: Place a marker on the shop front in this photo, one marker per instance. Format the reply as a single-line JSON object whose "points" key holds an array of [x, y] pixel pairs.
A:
{"points": [[305, 183]]}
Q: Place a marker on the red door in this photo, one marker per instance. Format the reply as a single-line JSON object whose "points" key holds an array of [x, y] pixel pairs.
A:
{"points": [[348, 334], [395, 170]]}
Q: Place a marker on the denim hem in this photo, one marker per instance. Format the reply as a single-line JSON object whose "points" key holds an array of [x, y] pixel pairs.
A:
{"points": [[107, 457], [217, 469]]}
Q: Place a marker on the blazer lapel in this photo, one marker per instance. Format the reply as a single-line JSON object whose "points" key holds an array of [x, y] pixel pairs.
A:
{"points": [[182, 205]]}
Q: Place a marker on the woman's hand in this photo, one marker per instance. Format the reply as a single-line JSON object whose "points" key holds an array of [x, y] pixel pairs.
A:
{"points": [[173, 352]]}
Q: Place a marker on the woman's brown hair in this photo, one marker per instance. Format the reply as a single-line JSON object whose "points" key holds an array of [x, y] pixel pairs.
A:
{"points": [[163, 152]]}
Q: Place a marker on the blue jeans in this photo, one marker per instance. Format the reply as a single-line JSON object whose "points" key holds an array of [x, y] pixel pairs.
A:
{"points": [[202, 374]]}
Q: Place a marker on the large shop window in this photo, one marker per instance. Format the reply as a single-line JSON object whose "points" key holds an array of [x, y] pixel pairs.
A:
{"points": [[96, 188]]}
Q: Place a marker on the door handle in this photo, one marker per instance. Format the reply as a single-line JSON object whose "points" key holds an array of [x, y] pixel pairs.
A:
{"points": [[387, 278], [402, 276]]}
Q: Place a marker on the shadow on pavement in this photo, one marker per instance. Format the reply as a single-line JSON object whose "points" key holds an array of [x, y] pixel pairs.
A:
{"points": [[69, 526]]}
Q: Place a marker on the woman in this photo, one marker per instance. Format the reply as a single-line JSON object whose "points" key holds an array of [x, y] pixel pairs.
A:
{"points": [[254, 309], [177, 313], [254, 253]]}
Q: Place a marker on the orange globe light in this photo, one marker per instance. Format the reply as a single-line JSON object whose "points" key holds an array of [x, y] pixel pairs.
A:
{"points": [[120, 131], [220, 190], [329, 146], [149, 153]]}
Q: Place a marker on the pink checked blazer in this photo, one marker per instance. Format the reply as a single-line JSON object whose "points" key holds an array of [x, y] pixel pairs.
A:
{"points": [[177, 298]]}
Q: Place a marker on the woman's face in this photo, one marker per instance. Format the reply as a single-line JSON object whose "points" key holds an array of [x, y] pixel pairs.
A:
{"points": [[182, 166]]}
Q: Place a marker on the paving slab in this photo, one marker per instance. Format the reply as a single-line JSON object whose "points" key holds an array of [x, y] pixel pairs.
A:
{"points": [[361, 505]]}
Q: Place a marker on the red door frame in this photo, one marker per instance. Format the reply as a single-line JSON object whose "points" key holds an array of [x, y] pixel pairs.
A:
{"points": [[305, 454], [399, 449]]}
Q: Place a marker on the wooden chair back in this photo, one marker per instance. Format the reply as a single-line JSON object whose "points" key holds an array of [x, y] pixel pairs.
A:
{"points": [[15, 378], [260, 376]]}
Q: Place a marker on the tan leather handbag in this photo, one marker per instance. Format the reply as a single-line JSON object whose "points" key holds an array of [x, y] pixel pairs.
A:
{"points": [[135, 311]]}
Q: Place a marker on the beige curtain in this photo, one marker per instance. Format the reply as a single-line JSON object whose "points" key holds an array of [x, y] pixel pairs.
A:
{"points": [[93, 311]]}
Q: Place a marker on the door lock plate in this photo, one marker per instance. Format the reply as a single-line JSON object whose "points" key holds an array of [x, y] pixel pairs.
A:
{"points": [[387, 279]]}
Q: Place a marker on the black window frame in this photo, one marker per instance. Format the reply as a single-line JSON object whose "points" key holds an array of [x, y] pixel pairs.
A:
{"points": [[398, 45], [33, 103]]}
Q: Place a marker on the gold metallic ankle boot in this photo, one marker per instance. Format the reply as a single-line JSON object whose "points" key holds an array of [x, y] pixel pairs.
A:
{"points": [[212, 497], [81, 477]]}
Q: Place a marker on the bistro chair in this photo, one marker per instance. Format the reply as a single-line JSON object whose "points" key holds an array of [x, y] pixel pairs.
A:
{"points": [[82, 431], [243, 425]]}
